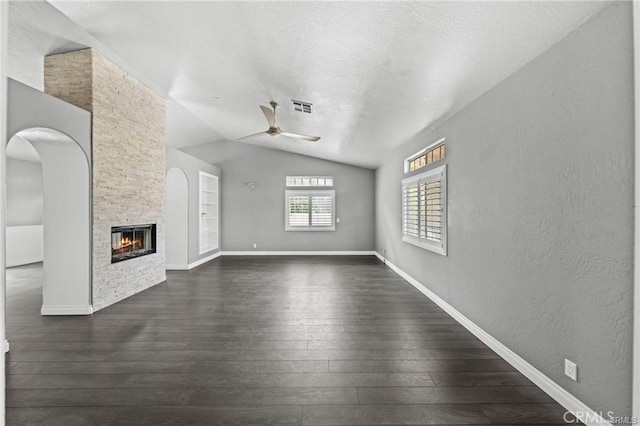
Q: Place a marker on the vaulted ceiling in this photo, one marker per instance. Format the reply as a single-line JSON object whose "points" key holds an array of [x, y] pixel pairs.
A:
{"points": [[376, 72]]}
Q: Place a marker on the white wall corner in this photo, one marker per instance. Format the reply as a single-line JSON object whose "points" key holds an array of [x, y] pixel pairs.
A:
{"points": [[176, 267], [66, 310], [635, 394], [203, 260], [551, 388]]}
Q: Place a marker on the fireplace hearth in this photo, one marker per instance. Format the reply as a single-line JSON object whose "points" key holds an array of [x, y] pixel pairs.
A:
{"points": [[129, 242]]}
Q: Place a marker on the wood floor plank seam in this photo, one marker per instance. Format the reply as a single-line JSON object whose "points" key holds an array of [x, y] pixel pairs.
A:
{"points": [[316, 340]]}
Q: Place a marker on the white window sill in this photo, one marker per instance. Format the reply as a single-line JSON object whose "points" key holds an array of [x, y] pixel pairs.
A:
{"points": [[302, 228], [431, 246]]}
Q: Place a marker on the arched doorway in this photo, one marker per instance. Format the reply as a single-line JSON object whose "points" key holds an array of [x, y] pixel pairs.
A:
{"points": [[177, 216], [61, 135], [66, 220]]}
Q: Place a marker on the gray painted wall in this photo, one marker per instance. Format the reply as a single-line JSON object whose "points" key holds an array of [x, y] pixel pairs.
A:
{"points": [[191, 166], [177, 220], [540, 182], [24, 193], [257, 215]]}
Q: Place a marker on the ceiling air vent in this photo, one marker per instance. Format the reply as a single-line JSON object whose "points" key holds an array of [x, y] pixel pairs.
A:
{"points": [[302, 106]]}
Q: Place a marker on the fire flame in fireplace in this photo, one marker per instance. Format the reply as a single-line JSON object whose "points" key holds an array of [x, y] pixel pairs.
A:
{"points": [[127, 244]]}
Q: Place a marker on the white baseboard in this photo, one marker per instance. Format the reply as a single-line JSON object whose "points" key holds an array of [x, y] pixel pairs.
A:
{"points": [[298, 253], [176, 267], [204, 260], [183, 267], [555, 391], [186, 267], [66, 310]]}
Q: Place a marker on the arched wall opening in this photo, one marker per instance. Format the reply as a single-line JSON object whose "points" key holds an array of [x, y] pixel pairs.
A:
{"points": [[66, 221], [61, 135], [177, 220]]}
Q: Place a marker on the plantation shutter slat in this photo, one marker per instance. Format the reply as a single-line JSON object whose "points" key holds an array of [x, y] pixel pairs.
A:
{"points": [[321, 210], [431, 209], [312, 210], [423, 209], [411, 217], [298, 210]]}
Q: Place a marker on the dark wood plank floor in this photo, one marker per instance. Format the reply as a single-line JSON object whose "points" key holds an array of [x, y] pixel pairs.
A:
{"points": [[260, 340]]}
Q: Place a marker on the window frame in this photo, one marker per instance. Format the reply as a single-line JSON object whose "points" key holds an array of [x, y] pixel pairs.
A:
{"points": [[286, 182], [431, 175], [409, 159], [310, 193]]}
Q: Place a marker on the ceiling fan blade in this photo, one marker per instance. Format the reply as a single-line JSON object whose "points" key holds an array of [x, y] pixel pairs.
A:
{"points": [[269, 115], [297, 136], [255, 135]]}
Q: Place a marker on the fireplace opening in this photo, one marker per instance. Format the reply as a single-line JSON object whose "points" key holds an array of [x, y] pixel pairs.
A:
{"points": [[128, 242]]}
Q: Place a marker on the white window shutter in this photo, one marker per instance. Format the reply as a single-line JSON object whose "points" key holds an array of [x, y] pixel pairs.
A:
{"points": [[310, 210], [424, 213]]}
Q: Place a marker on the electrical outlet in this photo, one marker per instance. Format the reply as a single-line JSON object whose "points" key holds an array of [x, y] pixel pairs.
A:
{"points": [[255, 245], [571, 369]]}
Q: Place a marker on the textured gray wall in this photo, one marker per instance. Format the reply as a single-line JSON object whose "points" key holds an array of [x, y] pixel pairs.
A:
{"points": [[24, 193], [257, 215], [540, 211], [191, 166]]}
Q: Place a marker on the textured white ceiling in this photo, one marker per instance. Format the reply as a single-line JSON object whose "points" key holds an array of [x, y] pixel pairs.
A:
{"points": [[376, 72]]}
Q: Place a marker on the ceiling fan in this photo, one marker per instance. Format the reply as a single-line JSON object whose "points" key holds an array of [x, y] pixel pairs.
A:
{"points": [[274, 129]]}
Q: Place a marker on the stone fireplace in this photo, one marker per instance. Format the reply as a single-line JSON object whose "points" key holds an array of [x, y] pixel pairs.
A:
{"points": [[128, 158]]}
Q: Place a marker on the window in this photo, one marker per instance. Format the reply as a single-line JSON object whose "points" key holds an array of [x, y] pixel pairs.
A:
{"points": [[311, 210], [431, 154], [307, 208], [424, 210], [313, 181]]}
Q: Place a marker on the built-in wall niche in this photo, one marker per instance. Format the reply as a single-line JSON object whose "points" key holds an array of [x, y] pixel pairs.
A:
{"points": [[128, 242], [208, 212]]}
